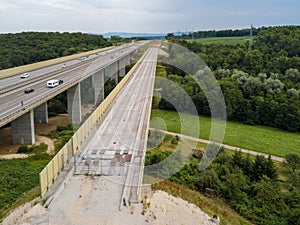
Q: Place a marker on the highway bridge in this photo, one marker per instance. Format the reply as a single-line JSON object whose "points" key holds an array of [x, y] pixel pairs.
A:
{"points": [[111, 143], [23, 110], [106, 156]]}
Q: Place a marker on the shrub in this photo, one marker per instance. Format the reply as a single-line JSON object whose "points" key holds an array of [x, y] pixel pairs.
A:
{"points": [[23, 149]]}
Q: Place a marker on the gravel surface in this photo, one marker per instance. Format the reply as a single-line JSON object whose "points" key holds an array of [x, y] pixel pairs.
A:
{"points": [[95, 200]]}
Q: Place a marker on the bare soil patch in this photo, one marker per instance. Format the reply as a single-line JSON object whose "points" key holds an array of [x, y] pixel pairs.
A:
{"points": [[41, 130]]}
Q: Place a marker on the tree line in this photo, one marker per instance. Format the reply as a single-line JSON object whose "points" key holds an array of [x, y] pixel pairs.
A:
{"points": [[250, 185], [30, 47], [260, 86], [219, 33]]}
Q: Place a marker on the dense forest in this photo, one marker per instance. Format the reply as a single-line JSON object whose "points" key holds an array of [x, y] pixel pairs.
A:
{"points": [[251, 185], [30, 47], [260, 86], [219, 33]]}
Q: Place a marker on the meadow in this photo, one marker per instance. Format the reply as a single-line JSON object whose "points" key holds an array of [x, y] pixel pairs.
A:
{"points": [[258, 138], [221, 40]]}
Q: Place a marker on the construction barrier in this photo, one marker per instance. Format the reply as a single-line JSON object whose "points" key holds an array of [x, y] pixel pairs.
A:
{"points": [[65, 155]]}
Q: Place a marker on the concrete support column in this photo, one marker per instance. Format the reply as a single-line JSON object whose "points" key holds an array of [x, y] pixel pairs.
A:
{"points": [[23, 129], [74, 104], [98, 83], [41, 113], [130, 58], [121, 67], [127, 60], [122, 72], [111, 71]]}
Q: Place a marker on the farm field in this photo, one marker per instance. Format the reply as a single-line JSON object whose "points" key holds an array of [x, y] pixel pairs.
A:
{"points": [[258, 138], [222, 40]]}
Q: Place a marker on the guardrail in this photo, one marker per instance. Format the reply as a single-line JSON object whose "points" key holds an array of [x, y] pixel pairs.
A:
{"points": [[68, 151]]}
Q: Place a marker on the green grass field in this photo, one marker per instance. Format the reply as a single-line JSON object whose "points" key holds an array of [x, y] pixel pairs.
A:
{"points": [[259, 138], [222, 40]]}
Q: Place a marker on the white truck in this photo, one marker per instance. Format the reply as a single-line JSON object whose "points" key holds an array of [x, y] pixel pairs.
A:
{"points": [[52, 83]]}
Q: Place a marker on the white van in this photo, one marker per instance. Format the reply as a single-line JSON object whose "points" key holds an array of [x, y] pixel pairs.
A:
{"points": [[52, 83]]}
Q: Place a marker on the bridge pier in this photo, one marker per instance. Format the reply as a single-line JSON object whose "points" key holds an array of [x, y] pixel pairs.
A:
{"points": [[74, 104], [98, 83], [23, 129], [121, 66], [41, 113], [111, 71]]}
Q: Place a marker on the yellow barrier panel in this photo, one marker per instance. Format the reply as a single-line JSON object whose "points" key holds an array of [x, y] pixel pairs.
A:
{"points": [[79, 135], [83, 131], [55, 167], [94, 117], [59, 161], [75, 143], [50, 174], [65, 154], [43, 181], [91, 122]]}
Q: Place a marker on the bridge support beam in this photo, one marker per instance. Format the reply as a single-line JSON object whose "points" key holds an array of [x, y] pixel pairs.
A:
{"points": [[41, 113], [23, 129], [74, 104], [98, 83]]}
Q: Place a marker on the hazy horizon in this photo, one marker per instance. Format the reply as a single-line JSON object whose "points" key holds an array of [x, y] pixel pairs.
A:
{"points": [[134, 16]]}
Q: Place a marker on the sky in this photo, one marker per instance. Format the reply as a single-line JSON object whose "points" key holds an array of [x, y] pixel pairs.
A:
{"points": [[144, 16]]}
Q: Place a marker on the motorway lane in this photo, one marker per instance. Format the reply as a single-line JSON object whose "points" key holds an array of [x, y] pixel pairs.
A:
{"points": [[57, 67], [10, 102]]}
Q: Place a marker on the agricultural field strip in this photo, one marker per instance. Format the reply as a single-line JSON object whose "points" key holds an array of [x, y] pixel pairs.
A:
{"points": [[280, 159]]}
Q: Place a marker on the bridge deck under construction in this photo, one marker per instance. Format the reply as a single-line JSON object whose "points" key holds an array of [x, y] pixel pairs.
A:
{"points": [[117, 147]]}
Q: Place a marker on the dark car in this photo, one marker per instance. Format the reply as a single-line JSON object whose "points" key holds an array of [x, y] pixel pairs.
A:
{"points": [[28, 90], [60, 81]]}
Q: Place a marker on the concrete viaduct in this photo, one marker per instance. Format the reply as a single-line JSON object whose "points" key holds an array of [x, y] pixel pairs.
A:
{"points": [[33, 107]]}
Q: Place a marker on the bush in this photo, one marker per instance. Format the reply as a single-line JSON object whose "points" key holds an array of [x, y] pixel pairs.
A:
{"points": [[62, 128], [175, 140], [23, 149]]}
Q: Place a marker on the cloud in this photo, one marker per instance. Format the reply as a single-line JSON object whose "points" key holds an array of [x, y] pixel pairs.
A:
{"points": [[143, 15], [55, 4], [8, 6]]}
